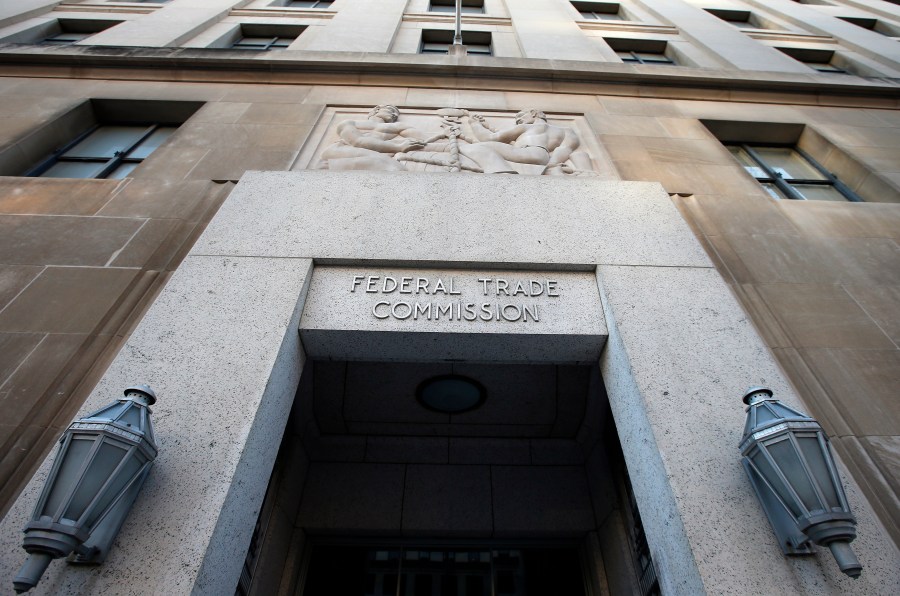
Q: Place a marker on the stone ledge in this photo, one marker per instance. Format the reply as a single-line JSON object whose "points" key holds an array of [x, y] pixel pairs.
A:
{"points": [[496, 68]]}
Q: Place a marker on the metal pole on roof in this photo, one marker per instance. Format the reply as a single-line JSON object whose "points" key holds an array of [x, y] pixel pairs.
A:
{"points": [[457, 38]]}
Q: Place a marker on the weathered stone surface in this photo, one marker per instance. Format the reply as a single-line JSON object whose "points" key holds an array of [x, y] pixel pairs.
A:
{"points": [[458, 220], [204, 358]]}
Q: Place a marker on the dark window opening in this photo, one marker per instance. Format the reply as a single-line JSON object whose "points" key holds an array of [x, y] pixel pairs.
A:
{"points": [[69, 31], [266, 37], [743, 19], [438, 41], [821, 60], [468, 6], [321, 4], [641, 51], [599, 11]]}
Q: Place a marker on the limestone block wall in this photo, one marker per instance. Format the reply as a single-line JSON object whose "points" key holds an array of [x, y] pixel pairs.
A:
{"points": [[820, 280], [537, 29]]}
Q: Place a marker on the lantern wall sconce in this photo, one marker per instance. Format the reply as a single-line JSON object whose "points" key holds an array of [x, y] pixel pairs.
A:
{"points": [[102, 462], [788, 458]]}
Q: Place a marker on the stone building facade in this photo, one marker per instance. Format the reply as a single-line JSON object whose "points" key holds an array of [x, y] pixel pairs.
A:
{"points": [[651, 157]]}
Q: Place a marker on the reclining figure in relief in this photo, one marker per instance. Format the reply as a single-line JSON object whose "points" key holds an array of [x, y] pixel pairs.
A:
{"points": [[466, 143]]}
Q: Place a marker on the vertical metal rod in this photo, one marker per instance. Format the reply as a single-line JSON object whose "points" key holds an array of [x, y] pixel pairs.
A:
{"points": [[457, 38]]}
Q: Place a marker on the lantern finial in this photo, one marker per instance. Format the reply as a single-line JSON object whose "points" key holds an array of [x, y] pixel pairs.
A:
{"points": [[754, 392]]}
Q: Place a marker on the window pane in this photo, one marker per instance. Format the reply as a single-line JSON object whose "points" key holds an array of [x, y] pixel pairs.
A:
{"points": [[825, 67], [773, 190], [64, 38], [478, 49], [435, 47], [151, 143], [819, 192], [74, 169], [652, 58], [748, 162], [788, 163], [123, 170], [107, 141]]}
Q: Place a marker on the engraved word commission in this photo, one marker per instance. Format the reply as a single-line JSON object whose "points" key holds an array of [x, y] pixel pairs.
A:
{"points": [[441, 298]]}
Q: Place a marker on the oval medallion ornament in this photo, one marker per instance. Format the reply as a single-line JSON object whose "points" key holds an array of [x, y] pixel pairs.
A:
{"points": [[450, 394]]}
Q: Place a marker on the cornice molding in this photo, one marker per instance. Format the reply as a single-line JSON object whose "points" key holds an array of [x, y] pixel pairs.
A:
{"points": [[566, 76]]}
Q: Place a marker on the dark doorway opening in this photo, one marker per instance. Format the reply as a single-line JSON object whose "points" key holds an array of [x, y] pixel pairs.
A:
{"points": [[443, 571]]}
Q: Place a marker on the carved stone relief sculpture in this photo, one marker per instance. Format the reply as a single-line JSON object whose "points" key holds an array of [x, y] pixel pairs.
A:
{"points": [[465, 143]]}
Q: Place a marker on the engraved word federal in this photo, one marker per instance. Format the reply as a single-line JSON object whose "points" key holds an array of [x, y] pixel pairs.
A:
{"points": [[454, 299]]}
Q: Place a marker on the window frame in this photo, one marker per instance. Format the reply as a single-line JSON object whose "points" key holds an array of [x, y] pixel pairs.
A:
{"points": [[268, 36], [314, 6], [817, 59], [784, 185], [634, 58], [612, 10], [449, 33], [468, 7], [633, 47], [276, 42], [110, 164]]}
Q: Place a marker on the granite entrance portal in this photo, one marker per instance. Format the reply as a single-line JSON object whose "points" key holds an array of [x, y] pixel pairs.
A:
{"points": [[641, 317], [371, 483]]}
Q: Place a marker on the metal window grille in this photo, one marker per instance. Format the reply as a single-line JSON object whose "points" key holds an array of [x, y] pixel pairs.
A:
{"points": [[262, 43], [64, 38], [468, 6], [647, 577], [439, 42], [644, 57], [104, 151], [310, 3], [790, 173], [599, 11]]}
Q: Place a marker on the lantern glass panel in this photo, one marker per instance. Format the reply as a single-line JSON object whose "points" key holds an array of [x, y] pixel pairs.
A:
{"points": [[793, 469], [75, 456], [764, 414], [768, 472], [101, 468], [131, 467], [812, 452], [131, 418]]}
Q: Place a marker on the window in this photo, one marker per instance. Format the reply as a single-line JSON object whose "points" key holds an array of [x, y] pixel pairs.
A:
{"points": [[105, 152], [640, 51], [438, 41], [790, 173], [69, 31], [821, 60], [468, 6], [742, 19], [600, 11], [305, 4], [266, 37], [873, 25], [115, 137]]}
